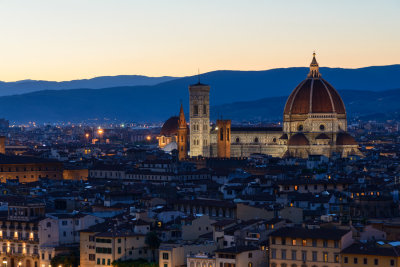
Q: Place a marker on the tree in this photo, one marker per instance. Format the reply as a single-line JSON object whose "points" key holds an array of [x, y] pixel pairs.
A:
{"points": [[153, 242], [66, 260]]}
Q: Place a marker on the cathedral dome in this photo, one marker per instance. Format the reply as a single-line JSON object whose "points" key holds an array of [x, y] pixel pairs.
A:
{"points": [[314, 95], [344, 139], [298, 139], [170, 126]]}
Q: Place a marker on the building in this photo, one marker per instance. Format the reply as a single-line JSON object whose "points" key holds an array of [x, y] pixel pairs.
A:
{"points": [[314, 123], [102, 244], [371, 254], [240, 256], [318, 247], [29, 169], [20, 233]]}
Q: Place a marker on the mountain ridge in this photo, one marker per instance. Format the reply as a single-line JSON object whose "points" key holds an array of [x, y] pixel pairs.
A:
{"points": [[157, 102]]}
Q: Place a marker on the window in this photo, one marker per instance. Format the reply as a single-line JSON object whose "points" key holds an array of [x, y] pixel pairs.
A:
{"points": [[119, 240], [325, 256], [336, 256], [322, 127], [273, 240], [237, 140], [300, 128], [165, 256], [365, 261], [314, 256], [250, 264], [250, 255], [336, 244], [293, 242], [283, 254], [392, 262], [48, 224], [205, 109], [273, 253], [64, 222], [92, 257], [283, 241], [221, 134], [256, 140], [355, 260], [108, 262], [304, 255], [314, 242], [195, 110], [376, 262], [325, 243], [346, 260], [103, 261], [294, 254], [98, 261], [119, 250]]}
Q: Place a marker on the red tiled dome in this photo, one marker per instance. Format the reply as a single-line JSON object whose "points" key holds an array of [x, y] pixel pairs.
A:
{"points": [[314, 95], [298, 139], [170, 126]]}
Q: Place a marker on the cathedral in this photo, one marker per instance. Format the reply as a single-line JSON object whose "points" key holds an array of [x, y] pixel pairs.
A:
{"points": [[314, 123]]}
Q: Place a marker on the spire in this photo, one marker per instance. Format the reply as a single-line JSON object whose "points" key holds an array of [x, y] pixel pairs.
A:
{"points": [[182, 121], [314, 68]]}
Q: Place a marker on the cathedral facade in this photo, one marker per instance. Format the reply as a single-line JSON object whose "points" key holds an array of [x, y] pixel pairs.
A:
{"points": [[314, 123]]}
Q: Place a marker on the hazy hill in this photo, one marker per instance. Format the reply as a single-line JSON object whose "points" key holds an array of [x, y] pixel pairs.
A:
{"points": [[27, 86], [158, 102]]}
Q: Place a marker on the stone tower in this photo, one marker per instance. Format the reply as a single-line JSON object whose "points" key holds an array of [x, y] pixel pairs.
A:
{"points": [[199, 97], [224, 138], [182, 135]]}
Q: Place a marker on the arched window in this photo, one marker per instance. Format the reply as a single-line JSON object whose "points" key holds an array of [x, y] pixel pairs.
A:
{"points": [[274, 140], [221, 134], [322, 127], [256, 140], [250, 264], [237, 140], [48, 224]]}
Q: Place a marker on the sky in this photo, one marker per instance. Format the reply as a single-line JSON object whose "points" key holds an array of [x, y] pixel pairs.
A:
{"points": [[74, 39]]}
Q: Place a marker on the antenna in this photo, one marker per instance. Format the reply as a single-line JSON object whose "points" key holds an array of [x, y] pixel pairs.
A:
{"points": [[198, 75]]}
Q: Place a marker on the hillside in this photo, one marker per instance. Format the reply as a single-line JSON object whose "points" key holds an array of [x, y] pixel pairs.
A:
{"points": [[158, 102]]}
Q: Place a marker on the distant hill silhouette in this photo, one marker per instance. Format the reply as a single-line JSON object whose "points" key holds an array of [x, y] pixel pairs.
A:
{"points": [[158, 102], [27, 86]]}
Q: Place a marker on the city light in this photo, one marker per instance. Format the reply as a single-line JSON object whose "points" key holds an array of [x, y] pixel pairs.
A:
{"points": [[100, 131], [148, 138]]}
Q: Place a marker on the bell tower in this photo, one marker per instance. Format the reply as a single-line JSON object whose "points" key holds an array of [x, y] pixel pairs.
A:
{"points": [[199, 97], [182, 135]]}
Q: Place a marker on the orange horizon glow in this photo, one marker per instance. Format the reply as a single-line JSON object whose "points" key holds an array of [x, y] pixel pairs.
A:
{"points": [[68, 40]]}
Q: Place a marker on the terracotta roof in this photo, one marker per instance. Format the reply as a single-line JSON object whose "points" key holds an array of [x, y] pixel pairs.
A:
{"points": [[298, 139], [170, 126], [371, 249], [319, 233], [314, 95], [345, 139], [284, 136]]}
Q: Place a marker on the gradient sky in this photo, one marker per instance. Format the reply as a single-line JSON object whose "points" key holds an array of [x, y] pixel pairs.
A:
{"points": [[73, 39]]}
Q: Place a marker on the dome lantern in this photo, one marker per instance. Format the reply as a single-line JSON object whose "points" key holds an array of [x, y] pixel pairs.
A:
{"points": [[314, 68]]}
